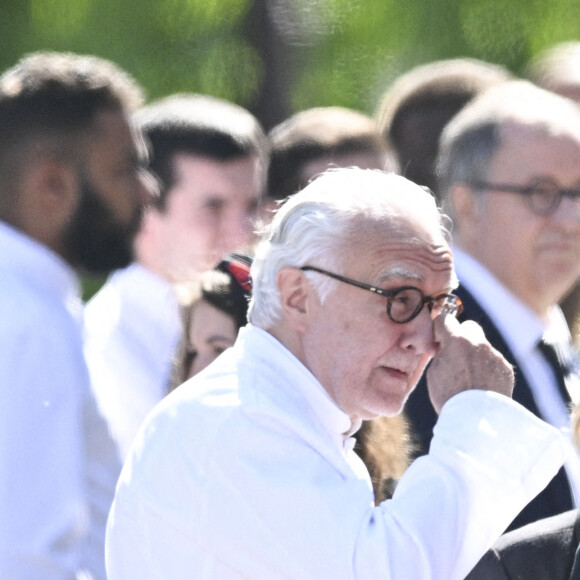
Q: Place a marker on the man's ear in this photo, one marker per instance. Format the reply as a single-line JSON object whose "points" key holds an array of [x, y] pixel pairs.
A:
{"points": [[147, 240], [50, 195], [55, 186], [466, 207], [150, 221], [295, 293]]}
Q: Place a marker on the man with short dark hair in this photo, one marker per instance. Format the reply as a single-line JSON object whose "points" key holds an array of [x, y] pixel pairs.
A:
{"points": [[72, 187], [248, 470], [415, 108], [312, 140], [210, 157]]}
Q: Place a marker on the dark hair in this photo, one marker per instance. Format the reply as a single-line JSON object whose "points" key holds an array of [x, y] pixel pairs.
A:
{"points": [[228, 287], [417, 106], [50, 99], [313, 134], [198, 125]]}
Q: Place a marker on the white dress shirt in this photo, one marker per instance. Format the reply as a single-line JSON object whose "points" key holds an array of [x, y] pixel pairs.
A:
{"points": [[245, 472], [132, 326], [58, 467], [521, 328]]}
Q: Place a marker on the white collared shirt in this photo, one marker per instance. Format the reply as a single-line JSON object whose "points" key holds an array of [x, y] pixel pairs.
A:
{"points": [[521, 328], [132, 326], [244, 472], [58, 468]]}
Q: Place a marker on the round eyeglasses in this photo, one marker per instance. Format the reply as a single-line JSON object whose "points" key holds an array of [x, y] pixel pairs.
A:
{"points": [[403, 303], [543, 197]]}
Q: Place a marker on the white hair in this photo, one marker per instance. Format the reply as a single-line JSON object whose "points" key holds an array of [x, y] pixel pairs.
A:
{"points": [[313, 227]]}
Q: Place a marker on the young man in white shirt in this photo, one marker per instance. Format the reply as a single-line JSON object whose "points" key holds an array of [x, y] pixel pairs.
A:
{"points": [[210, 157]]}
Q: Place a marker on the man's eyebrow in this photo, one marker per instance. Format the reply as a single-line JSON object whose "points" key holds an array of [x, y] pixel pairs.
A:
{"points": [[218, 338], [400, 273]]}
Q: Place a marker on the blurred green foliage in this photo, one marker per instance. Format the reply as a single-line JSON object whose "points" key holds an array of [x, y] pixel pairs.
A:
{"points": [[335, 51], [279, 56], [90, 285]]}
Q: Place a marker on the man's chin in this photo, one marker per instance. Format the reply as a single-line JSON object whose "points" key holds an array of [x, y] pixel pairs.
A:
{"points": [[98, 242], [388, 407]]}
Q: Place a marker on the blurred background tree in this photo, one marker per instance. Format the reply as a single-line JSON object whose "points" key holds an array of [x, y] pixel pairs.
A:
{"points": [[278, 56]]}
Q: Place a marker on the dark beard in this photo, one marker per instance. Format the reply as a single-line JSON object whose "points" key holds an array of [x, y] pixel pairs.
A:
{"points": [[96, 241]]}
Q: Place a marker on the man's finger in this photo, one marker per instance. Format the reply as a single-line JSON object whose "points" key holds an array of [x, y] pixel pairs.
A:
{"points": [[444, 326]]}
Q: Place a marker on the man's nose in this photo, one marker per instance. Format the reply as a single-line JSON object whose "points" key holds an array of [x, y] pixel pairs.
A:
{"points": [[418, 334]]}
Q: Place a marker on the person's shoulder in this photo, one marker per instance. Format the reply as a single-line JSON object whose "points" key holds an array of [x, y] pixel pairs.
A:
{"points": [[28, 308], [226, 401], [553, 530], [542, 549], [41, 344], [196, 423], [209, 398], [116, 309]]}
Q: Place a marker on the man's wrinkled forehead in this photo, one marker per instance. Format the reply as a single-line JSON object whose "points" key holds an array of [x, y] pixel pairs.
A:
{"points": [[407, 239], [434, 257]]}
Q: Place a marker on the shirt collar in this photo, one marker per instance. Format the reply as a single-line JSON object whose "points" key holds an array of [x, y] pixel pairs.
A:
{"points": [[149, 293], [518, 324], [335, 421]]}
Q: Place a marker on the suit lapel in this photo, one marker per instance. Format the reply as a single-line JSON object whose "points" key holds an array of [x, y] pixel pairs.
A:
{"points": [[557, 497], [473, 311]]}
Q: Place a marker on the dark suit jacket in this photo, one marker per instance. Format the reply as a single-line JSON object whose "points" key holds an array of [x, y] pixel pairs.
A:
{"points": [[538, 551], [557, 497]]}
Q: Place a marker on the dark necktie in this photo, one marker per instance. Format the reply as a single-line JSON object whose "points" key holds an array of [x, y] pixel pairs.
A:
{"points": [[561, 369], [575, 574]]}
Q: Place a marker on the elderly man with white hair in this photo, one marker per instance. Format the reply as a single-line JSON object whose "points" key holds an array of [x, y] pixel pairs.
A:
{"points": [[247, 470]]}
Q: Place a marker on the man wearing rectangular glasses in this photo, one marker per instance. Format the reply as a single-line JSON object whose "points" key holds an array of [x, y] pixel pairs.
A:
{"points": [[509, 169], [247, 470]]}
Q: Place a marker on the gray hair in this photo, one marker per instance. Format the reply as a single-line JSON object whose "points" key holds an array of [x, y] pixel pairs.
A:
{"points": [[472, 137], [556, 68], [313, 228]]}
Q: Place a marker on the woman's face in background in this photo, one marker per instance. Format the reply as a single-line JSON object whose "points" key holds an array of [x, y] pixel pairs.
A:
{"points": [[211, 332]]}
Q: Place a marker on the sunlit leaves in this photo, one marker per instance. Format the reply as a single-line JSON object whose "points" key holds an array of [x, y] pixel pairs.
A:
{"points": [[59, 18], [187, 19], [496, 31], [344, 52]]}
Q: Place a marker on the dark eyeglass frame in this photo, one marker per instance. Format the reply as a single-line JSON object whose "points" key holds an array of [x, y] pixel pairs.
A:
{"points": [[533, 191], [453, 306]]}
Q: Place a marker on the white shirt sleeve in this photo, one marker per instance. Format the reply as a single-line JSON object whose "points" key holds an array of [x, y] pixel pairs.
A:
{"points": [[254, 500], [42, 511], [489, 457]]}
